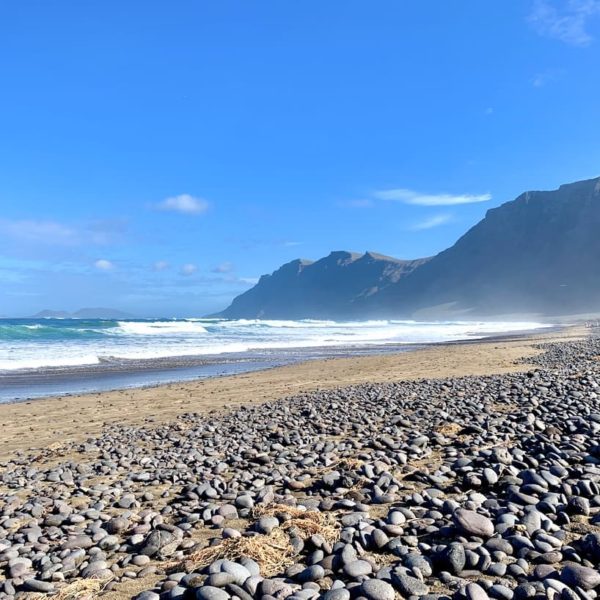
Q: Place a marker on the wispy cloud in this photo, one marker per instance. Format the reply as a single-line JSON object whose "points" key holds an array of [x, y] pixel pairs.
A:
{"points": [[104, 265], [539, 80], [184, 204], [359, 203], [224, 267], [420, 199], [160, 265], [105, 232], [248, 280], [545, 77], [39, 232], [431, 222], [290, 244], [565, 20], [189, 269]]}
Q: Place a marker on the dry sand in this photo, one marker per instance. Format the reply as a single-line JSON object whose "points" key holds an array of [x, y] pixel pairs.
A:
{"points": [[41, 423]]}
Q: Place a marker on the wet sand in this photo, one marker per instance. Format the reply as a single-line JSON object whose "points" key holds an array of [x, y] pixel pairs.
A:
{"points": [[53, 421]]}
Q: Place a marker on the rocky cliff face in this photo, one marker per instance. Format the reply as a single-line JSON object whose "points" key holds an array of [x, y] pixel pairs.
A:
{"points": [[333, 287], [539, 253]]}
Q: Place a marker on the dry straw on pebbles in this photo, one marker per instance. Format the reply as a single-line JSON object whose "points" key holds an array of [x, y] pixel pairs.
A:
{"points": [[273, 552]]}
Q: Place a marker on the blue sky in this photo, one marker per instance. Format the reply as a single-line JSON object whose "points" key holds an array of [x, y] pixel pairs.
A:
{"points": [[159, 157]]}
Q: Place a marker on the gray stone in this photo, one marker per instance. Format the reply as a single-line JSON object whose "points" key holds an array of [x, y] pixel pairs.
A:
{"points": [[266, 524], [312, 573], [337, 594], [473, 523], [35, 585], [148, 596], [208, 592], [409, 586], [376, 589], [358, 568], [474, 591], [580, 576], [156, 542]]}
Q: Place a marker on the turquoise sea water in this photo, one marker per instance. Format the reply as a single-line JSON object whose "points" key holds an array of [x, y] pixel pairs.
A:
{"points": [[27, 344]]}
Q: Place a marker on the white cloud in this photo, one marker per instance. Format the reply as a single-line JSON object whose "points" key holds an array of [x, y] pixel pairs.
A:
{"points": [[359, 203], [291, 244], [54, 233], [412, 197], [160, 265], [45, 232], [104, 232], [544, 77], [224, 267], [185, 204], [189, 269], [249, 280], [104, 265], [566, 21], [432, 222]]}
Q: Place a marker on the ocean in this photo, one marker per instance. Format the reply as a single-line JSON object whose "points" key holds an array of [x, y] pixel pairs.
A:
{"points": [[60, 356]]}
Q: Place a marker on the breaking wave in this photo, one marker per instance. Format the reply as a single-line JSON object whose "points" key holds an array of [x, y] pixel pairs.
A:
{"points": [[50, 343], [159, 327]]}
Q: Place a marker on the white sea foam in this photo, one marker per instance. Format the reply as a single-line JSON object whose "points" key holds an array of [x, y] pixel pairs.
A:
{"points": [[159, 339], [159, 327], [282, 324], [62, 359]]}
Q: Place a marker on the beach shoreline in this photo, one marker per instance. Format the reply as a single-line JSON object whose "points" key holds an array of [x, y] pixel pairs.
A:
{"points": [[40, 422], [23, 385], [141, 374], [41, 358], [125, 485]]}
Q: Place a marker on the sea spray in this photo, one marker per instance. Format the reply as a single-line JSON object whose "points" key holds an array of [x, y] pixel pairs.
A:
{"points": [[27, 344]]}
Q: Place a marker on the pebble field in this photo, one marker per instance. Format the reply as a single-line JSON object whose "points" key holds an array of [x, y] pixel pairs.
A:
{"points": [[469, 488]]}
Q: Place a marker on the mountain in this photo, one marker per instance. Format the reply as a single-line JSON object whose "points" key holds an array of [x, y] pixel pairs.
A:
{"points": [[539, 253], [84, 313], [334, 286], [52, 314]]}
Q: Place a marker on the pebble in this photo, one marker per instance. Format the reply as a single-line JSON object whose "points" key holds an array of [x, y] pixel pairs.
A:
{"points": [[409, 586], [208, 592], [358, 568], [474, 591], [376, 589], [486, 486], [580, 576], [473, 523]]}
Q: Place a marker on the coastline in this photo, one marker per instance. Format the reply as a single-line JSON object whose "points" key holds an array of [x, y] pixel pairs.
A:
{"points": [[175, 475], [133, 374], [23, 385], [60, 419], [40, 359]]}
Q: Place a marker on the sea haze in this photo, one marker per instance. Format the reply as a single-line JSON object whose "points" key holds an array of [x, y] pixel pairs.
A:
{"points": [[56, 356]]}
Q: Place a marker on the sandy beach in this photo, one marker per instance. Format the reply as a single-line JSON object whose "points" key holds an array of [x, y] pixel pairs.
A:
{"points": [[347, 458], [40, 423]]}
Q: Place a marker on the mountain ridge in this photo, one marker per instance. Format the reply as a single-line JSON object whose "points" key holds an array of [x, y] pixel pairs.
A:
{"points": [[538, 253], [324, 288]]}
